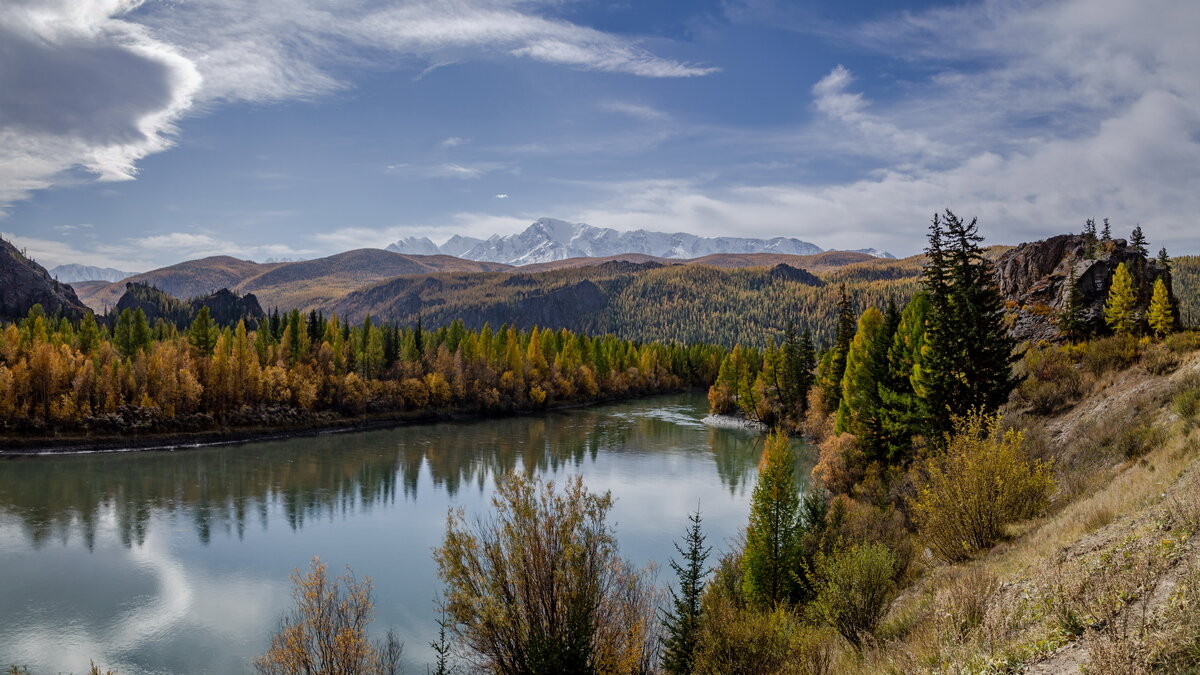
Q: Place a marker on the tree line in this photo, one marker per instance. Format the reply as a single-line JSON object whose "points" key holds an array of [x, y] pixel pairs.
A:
{"points": [[139, 376]]}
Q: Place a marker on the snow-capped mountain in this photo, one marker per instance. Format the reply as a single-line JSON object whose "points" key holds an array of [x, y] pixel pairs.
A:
{"points": [[874, 252], [74, 273], [549, 239]]}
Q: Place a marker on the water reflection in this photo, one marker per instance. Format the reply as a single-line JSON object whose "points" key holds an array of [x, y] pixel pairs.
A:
{"points": [[225, 489], [179, 562]]}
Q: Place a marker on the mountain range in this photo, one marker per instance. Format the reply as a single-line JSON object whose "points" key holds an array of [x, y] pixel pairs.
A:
{"points": [[69, 274], [550, 239]]}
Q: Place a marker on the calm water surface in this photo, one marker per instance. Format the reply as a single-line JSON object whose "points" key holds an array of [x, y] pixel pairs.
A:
{"points": [[179, 562]]}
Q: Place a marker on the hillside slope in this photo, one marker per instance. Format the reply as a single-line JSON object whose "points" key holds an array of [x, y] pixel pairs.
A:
{"points": [[24, 283]]}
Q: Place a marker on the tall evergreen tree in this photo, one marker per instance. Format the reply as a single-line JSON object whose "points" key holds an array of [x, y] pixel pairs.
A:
{"points": [[902, 412], [768, 570], [833, 365], [866, 368], [1072, 321], [968, 365], [203, 333], [1164, 260], [1137, 241], [1106, 232], [682, 619], [1161, 315], [1120, 309]]}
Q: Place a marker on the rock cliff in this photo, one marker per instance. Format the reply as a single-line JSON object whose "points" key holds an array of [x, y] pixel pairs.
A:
{"points": [[1034, 280], [24, 283]]}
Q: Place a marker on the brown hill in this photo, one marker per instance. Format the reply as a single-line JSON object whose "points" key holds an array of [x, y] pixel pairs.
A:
{"points": [[24, 283], [183, 280]]}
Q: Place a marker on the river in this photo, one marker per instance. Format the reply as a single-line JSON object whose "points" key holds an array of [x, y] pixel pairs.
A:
{"points": [[178, 562]]}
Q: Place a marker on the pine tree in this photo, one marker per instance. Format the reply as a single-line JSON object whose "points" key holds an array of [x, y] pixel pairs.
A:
{"points": [[1137, 241], [682, 620], [1120, 309], [1072, 321], [1089, 238], [768, 572], [1106, 233], [834, 362], [1161, 315], [968, 365]]}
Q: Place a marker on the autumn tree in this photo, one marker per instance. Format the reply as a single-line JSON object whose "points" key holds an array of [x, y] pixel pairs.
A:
{"points": [[540, 587], [326, 632], [768, 570], [1161, 315], [1120, 309]]}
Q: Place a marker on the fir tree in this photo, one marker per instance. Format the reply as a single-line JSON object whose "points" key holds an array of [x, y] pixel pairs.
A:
{"points": [[1137, 241], [968, 365], [1161, 315], [768, 574], [1164, 260], [1120, 309], [1072, 321], [682, 620]]}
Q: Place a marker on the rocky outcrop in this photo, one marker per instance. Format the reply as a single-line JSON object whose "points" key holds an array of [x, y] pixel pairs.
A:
{"points": [[225, 306], [24, 283], [1033, 280]]}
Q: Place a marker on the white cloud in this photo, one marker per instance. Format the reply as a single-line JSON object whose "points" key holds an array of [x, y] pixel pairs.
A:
{"points": [[149, 252], [453, 142], [461, 170], [636, 110], [502, 195]]}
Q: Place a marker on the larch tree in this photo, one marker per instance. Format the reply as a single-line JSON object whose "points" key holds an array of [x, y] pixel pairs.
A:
{"points": [[768, 570], [1161, 314], [1120, 309], [866, 365]]}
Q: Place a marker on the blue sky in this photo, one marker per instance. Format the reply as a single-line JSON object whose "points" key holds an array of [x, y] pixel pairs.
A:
{"points": [[138, 134]]}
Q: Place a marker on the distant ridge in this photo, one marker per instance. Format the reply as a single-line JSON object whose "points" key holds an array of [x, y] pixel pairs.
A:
{"points": [[69, 274], [549, 239]]}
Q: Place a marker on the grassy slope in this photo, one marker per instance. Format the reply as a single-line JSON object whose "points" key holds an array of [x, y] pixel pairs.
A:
{"points": [[1098, 583]]}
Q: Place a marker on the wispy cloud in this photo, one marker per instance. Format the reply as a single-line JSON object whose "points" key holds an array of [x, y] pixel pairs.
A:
{"points": [[502, 195]]}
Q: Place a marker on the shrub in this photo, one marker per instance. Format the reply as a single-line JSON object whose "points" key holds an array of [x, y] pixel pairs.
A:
{"points": [[541, 587], [737, 640], [1052, 381], [983, 482], [1158, 360], [840, 464], [326, 632], [1182, 343], [1111, 353], [963, 604], [854, 586], [1132, 442], [1187, 403]]}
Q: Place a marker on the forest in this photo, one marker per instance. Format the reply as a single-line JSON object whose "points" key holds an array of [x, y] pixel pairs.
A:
{"points": [[59, 376]]}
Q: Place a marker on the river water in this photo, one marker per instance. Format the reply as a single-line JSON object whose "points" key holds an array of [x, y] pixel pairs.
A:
{"points": [[178, 562]]}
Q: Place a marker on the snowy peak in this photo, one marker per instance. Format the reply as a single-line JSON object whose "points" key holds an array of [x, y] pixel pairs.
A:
{"points": [[874, 252], [69, 274], [415, 246]]}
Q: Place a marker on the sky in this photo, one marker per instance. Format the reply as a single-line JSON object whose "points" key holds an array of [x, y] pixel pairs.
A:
{"points": [[136, 134]]}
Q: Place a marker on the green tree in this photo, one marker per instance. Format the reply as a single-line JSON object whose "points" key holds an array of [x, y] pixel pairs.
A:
{"points": [[1137, 241], [203, 332], [682, 620], [768, 570], [903, 414], [866, 367], [1161, 315], [833, 365], [1164, 260], [1106, 231], [88, 335], [1120, 309], [968, 361], [854, 586], [1072, 320]]}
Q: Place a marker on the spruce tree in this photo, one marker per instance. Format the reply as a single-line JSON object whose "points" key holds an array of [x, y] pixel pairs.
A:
{"points": [[1072, 321], [1161, 314], [681, 620], [1120, 309], [768, 570], [1106, 232], [1137, 241], [968, 365], [202, 334], [1164, 260], [123, 333], [834, 362]]}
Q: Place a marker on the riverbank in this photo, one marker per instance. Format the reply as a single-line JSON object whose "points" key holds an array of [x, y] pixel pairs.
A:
{"points": [[31, 445]]}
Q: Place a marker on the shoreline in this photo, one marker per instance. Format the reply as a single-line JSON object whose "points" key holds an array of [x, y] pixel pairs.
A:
{"points": [[43, 446]]}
